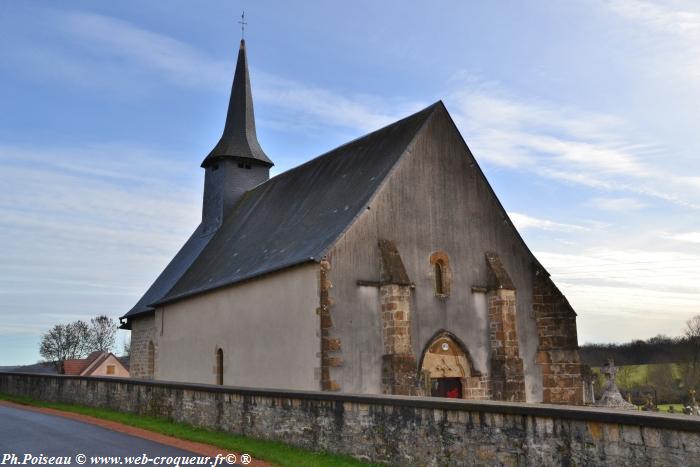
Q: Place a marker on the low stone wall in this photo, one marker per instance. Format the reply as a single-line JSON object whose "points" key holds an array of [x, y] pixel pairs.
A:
{"points": [[393, 429]]}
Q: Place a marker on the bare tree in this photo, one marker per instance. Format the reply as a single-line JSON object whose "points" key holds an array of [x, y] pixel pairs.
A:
{"points": [[103, 332], [77, 339], [692, 334], [660, 377], [65, 341], [624, 377]]}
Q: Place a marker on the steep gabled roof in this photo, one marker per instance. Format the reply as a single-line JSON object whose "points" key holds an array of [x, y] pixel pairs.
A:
{"points": [[172, 273], [296, 216]]}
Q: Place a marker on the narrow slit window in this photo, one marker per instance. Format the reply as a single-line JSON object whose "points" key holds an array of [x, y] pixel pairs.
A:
{"points": [[220, 367]]}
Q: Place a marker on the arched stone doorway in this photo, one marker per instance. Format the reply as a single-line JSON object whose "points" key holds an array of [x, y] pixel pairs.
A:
{"points": [[448, 370]]}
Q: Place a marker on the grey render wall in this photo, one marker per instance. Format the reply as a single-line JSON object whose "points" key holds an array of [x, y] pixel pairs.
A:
{"points": [[435, 199], [267, 328], [406, 431]]}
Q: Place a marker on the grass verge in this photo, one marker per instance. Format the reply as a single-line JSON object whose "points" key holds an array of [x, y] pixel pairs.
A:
{"points": [[271, 451], [664, 407]]}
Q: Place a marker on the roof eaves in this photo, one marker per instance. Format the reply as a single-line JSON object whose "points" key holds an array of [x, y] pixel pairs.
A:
{"points": [[92, 366], [222, 284]]}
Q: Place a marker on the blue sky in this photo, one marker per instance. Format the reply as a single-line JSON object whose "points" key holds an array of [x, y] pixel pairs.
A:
{"points": [[583, 114]]}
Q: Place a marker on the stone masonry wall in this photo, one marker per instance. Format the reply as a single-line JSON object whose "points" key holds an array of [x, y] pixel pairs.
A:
{"points": [[399, 374], [406, 431], [557, 352], [507, 375], [507, 371], [142, 332], [330, 346]]}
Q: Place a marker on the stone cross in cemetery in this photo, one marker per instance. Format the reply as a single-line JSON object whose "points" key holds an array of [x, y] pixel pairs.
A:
{"points": [[611, 396], [692, 407]]}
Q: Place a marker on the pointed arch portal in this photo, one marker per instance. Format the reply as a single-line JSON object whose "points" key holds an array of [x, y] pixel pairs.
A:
{"points": [[448, 369]]}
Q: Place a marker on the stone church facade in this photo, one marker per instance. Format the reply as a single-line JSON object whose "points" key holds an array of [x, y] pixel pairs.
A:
{"points": [[385, 266]]}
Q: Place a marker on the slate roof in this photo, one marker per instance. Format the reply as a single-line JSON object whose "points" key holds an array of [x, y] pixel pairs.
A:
{"points": [[296, 216], [172, 272], [239, 139]]}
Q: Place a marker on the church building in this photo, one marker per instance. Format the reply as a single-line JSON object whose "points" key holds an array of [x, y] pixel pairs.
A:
{"points": [[384, 266]]}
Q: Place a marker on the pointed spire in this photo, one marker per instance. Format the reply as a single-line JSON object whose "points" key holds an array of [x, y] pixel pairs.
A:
{"points": [[240, 139]]}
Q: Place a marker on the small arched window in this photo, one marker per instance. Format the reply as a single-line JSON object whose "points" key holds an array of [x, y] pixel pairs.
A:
{"points": [[439, 279], [219, 366], [151, 369], [441, 273]]}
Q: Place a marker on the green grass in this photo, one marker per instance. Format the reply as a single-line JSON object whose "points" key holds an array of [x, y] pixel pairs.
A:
{"points": [[635, 375], [664, 407], [274, 452]]}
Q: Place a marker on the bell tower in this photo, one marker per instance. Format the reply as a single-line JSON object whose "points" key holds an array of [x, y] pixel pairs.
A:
{"points": [[237, 163]]}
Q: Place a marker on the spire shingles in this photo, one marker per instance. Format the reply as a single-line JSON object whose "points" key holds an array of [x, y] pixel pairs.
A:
{"points": [[239, 139]]}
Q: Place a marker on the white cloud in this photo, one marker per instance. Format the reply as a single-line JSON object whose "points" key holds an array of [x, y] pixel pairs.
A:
{"points": [[661, 16], [323, 107], [84, 234], [564, 144], [74, 222], [691, 237], [112, 40], [679, 22], [617, 204], [615, 285], [525, 222], [117, 55]]}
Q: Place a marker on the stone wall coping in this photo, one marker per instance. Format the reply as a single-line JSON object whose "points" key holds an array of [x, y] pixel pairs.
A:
{"points": [[679, 422]]}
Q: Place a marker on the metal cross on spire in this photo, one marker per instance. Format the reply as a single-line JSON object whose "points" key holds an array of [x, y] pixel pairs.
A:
{"points": [[243, 25]]}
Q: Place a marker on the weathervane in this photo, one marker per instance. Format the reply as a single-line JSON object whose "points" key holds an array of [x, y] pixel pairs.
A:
{"points": [[243, 25]]}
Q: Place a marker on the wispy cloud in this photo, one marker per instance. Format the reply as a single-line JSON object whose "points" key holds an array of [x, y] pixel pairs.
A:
{"points": [[678, 21], [87, 233], [96, 231], [640, 287], [118, 55], [617, 204], [691, 237], [320, 107], [564, 144], [105, 54], [525, 222], [661, 16]]}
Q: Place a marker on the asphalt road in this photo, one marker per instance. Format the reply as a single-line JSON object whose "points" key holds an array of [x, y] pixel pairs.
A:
{"points": [[27, 432]]}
